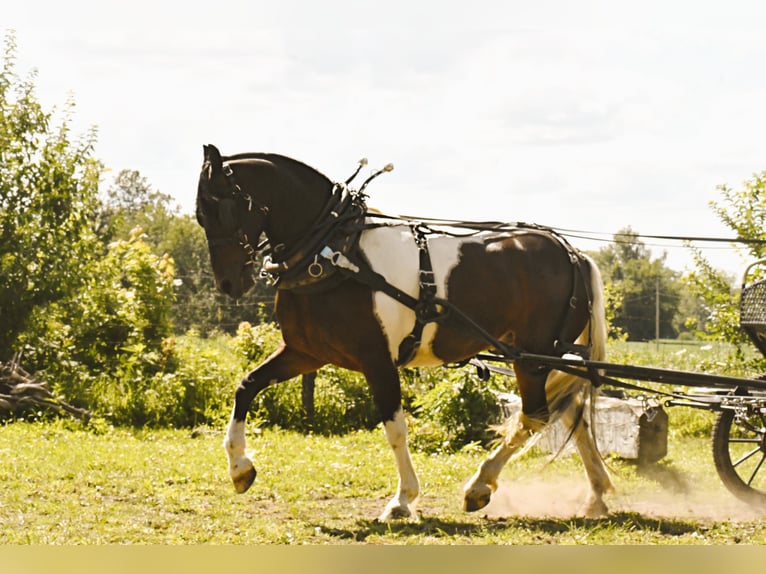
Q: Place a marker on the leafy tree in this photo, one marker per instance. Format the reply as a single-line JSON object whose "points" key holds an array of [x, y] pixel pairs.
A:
{"points": [[744, 211], [106, 347], [48, 193], [132, 202], [634, 280]]}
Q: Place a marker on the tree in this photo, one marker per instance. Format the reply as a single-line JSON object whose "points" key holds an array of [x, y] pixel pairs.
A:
{"points": [[636, 281], [743, 211], [132, 202], [48, 194]]}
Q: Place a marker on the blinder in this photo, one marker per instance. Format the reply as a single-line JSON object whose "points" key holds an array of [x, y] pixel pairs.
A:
{"points": [[230, 212]]}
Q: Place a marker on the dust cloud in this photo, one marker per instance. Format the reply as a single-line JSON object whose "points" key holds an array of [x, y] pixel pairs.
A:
{"points": [[543, 497]]}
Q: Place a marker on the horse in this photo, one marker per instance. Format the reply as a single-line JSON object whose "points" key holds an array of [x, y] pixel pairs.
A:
{"points": [[373, 297]]}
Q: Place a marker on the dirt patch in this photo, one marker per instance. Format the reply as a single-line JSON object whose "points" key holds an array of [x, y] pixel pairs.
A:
{"points": [[562, 498]]}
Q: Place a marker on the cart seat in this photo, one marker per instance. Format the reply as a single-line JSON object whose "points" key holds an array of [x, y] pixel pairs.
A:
{"points": [[752, 313]]}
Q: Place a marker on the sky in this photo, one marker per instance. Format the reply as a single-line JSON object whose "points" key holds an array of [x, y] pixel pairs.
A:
{"points": [[582, 115]]}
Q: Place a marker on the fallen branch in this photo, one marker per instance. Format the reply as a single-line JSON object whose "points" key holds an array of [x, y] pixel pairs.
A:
{"points": [[20, 391]]}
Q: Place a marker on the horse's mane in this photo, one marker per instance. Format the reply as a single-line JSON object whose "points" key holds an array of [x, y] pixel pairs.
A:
{"points": [[300, 169]]}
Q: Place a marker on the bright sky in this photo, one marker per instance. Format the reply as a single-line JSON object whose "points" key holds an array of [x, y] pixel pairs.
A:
{"points": [[584, 115]]}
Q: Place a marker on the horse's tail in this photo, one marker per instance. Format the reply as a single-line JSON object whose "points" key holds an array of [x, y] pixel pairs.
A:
{"points": [[598, 314], [561, 388]]}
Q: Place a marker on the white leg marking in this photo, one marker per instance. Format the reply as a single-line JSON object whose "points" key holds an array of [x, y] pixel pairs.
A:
{"points": [[595, 469], [241, 467], [402, 504]]}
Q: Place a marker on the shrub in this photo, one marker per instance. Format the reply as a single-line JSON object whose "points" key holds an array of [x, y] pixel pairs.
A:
{"points": [[108, 348], [342, 399], [456, 411]]}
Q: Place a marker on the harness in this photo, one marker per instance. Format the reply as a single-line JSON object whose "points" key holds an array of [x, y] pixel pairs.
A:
{"points": [[337, 228], [329, 253]]}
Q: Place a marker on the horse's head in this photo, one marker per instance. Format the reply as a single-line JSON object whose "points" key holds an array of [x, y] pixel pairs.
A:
{"points": [[241, 197]]}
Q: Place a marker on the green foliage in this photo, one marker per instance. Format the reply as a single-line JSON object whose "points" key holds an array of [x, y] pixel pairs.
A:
{"points": [[457, 411], [48, 193], [634, 279], [343, 404], [613, 298], [108, 348], [256, 342], [744, 211], [719, 299], [209, 371]]}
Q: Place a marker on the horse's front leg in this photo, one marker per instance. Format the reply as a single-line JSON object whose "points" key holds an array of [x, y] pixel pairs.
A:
{"points": [[283, 364], [386, 391], [402, 505]]}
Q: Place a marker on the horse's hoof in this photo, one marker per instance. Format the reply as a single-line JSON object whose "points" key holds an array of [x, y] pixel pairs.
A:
{"points": [[474, 504], [245, 480], [395, 512], [476, 498], [594, 509]]}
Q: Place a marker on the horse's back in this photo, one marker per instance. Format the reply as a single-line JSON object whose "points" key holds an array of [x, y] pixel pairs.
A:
{"points": [[509, 283], [518, 286], [506, 282]]}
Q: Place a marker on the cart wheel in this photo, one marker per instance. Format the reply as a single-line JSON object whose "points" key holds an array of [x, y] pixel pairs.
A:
{"points": [[739, 453]]}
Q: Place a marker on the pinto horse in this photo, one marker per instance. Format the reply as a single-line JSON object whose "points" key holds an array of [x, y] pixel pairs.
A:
{"points": [[350, 293]]}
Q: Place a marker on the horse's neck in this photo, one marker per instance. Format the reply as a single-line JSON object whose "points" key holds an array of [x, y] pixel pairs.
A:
{"points": [[297, 203]]}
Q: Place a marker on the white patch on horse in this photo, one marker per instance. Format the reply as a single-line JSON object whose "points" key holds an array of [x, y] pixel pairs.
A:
{"points": [[401, 505], [392, 252]]}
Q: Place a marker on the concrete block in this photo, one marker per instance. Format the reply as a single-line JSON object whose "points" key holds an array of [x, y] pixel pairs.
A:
{"points": [[625, 427]]}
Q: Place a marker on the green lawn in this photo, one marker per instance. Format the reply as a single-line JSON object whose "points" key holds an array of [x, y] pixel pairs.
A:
{"points": [[65, 485]]}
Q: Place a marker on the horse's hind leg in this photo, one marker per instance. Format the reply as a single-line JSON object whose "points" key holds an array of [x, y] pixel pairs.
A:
{"points": [[595, 469], [517, 432], [283, 364]]}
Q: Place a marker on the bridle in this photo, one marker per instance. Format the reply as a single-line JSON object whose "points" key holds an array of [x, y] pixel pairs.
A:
{"points": [[240, 197], [342, 205]]}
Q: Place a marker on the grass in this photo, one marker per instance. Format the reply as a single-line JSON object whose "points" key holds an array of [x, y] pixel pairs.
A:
{"points": [[65, 485], [61, 483]]}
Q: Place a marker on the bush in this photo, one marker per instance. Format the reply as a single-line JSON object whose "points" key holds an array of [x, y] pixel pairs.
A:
{"points": [[341, 398], [456, 411], [48, 193], [343, 402], [108, 348]]}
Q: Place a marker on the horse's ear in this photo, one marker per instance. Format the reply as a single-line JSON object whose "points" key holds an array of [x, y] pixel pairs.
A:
{"points": [[213, 156]]}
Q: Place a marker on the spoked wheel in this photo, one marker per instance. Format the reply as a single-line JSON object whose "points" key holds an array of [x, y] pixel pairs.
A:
{"points": [[739, 452]]}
